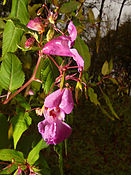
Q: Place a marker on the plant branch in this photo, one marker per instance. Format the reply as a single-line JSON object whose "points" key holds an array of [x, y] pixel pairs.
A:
{"points": [[27, 83]]}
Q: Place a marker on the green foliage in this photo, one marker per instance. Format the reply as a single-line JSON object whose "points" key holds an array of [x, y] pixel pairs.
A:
{"points": [[11, 75], [83, 51], [69, 7], [110, 105], [21, 122], [48, 74], [105, 68], [9, 169], [93, 96], [12, 35], [34, 153], [9, 154]]}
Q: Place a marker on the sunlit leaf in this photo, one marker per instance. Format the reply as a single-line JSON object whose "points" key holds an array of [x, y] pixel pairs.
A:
{"points": [[9, 154], [11, 74], [49, 73], [93, 96], [21, 122], [34, 153], [12, 35], [83, 50], [4, 2], [105, 68]]}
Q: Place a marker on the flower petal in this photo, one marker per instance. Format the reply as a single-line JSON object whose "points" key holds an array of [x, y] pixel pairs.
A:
{"points": [[36, 24], [72, 31], [67, 102], [58, 46], [51, 114], [54, 99], [79, 60], [63, 131], [54, 133]]}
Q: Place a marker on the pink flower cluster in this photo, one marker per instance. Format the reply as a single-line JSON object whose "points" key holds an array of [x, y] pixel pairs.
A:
{"points": [[62, 46], [53, 129]]}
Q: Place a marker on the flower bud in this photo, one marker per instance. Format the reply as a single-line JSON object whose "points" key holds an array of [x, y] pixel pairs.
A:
{"points": [[29, 43], [36, 24]]}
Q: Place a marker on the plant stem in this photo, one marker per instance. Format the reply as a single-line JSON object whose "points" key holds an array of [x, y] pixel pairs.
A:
{"points": [[27, 83]]}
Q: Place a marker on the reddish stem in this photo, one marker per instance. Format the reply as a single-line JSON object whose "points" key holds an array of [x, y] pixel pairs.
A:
{"points": [[27, 83], [54, 61]]}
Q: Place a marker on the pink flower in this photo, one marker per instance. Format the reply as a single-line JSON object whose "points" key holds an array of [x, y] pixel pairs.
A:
{"points": [[36, 24], [62, 46], [62, 98], [29, 43], [53, 129]]}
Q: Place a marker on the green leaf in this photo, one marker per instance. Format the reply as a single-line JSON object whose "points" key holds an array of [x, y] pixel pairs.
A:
{"points": [[69, 7], [4, 2], [9, 169], [9, 154], [21, 122], [113, 80], [34, 153], [12, 35], [49, 73], [106, 113], [105, 68], [93, 96], [110, 105], [2, 26], [83, 50], [11, 75], [110, 65]]}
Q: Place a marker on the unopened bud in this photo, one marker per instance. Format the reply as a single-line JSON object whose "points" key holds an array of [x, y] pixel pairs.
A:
{"points": [[36, 24], [29, 43]]}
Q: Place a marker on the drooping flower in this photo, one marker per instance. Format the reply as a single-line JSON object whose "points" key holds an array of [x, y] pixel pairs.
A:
{"points": [[36, 24], [53, 129], [62, 46], [62, 98], [30, 42]]}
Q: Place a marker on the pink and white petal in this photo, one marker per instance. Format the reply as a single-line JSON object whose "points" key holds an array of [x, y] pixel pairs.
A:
{"points": [[72, 31], [79, 60], [47, 130], [54, 133], [67, 102], [54, 99], [36, 24], [58, 46]]}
